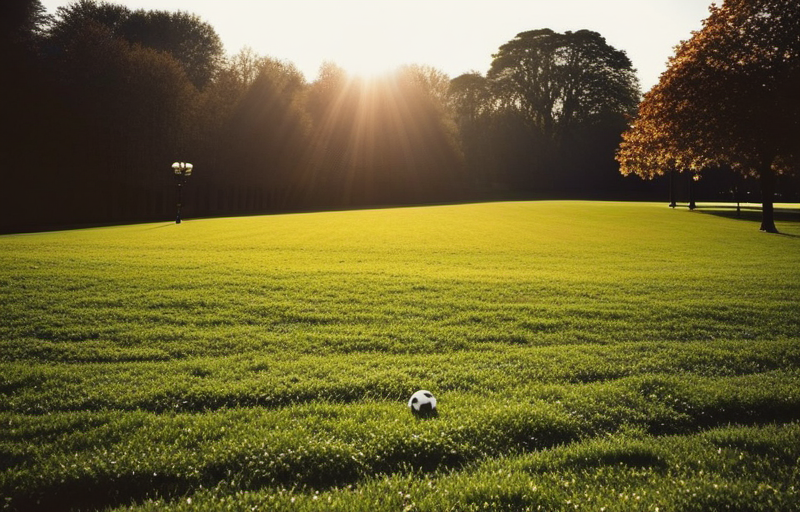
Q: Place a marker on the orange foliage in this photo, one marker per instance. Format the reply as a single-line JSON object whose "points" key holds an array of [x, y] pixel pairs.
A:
{"points": [[729, 97]]}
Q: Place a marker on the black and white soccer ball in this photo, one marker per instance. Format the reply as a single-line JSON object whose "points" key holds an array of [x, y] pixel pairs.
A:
{"points": [[423, 403]]}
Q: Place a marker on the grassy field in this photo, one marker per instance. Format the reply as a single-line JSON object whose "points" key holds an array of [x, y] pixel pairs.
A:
{"points": [[585, 356]]}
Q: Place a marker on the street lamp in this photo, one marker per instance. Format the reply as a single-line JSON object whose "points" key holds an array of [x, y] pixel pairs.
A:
{"points": [[182, 171]]}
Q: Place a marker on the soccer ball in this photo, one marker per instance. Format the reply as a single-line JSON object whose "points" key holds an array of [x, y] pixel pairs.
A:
{"points": [[422, 403]]}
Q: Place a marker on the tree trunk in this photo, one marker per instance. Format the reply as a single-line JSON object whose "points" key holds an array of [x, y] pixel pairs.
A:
{"points": [[672, 203], [767, 193]]}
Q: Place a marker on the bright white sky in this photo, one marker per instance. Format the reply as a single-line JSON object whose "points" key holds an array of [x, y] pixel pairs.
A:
{"points": [[454, 36]]}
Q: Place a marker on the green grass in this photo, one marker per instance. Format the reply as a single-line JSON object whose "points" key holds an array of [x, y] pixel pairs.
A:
{"points": [[586, 356]]}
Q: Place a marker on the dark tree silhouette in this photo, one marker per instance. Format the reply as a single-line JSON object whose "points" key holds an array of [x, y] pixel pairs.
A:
{"points": [[730, 97], [26, 107], [191, 41], [547, 117], [472, 105], [561, 80], [71, 19], [124, 111], [21, 23], [471, 96], [266, 136]]}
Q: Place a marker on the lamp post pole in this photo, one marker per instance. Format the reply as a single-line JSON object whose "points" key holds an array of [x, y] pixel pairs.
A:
{"points": [[182, 171]]}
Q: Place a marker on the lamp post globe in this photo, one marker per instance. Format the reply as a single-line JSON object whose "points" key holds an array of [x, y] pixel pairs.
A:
{"points": [[182, 171]]}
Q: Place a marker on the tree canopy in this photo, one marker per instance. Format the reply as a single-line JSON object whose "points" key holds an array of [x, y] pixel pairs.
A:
{"points": [[21, 21], [730, 97], [548, 114], [560, 80], [104, 98], [190, 40]]}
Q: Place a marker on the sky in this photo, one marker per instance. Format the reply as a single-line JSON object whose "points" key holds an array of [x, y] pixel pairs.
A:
{"points": [[369, 37]]}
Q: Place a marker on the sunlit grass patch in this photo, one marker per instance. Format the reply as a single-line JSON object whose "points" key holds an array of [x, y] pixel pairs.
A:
{"points": [[590, 354], [622, 472]]}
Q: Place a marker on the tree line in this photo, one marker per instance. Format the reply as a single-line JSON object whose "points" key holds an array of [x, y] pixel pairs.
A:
{"points": [[103, 99]]}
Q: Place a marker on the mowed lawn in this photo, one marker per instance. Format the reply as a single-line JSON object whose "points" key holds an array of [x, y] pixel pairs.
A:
{"points": [[585, 356]]}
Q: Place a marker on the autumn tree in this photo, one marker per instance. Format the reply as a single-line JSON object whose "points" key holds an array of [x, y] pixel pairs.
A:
{"points": [[730, 97]]}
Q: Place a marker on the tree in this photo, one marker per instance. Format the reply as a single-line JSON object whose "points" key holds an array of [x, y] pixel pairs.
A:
{"points": [[212, 123], [26, 100], [190, 40], [560, 80], [554, 97], [472, 103], [267, 136], [428, 80], [187, 38], [471, 96], [548, 115], [730, 97], [71, 19], [21, 22]]}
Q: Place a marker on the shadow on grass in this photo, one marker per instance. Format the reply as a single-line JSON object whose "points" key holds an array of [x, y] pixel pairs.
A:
{"points": [[159, 226], [752, 214]]}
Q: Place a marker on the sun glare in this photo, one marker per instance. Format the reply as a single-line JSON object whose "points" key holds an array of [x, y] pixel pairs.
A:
{"points": [[367, 39], [368, 67], [368, 54]]}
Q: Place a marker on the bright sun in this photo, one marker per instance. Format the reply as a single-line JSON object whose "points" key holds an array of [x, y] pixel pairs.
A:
{"points": [[366, 38], [368, 53], [369, 38], [368, 66]]}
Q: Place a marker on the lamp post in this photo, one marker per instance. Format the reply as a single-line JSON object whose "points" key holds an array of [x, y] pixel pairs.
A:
{"points": [[182, 171]]}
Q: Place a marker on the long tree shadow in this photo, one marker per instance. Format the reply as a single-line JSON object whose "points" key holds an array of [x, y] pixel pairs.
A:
{"points": [[752, 214]]}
